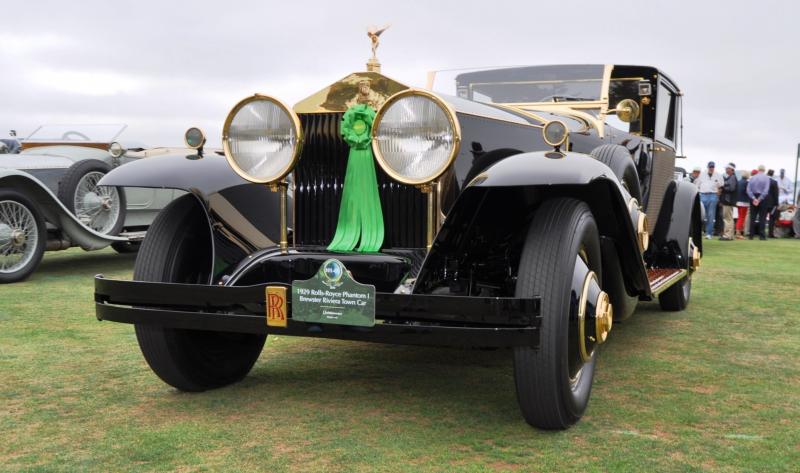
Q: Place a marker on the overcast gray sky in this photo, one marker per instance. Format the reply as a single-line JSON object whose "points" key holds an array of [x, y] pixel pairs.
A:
{"points": [[161, 66]]}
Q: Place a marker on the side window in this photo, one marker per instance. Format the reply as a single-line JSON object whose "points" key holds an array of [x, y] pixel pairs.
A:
{"points": [[666, 112]]}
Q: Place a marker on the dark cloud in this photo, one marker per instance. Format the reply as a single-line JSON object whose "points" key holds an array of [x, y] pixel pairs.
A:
{"points": [[162, 66]]}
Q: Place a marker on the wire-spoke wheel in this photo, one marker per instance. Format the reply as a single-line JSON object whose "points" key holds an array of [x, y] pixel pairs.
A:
{"points": [[22, 237], [101, 208], [97, 207]]}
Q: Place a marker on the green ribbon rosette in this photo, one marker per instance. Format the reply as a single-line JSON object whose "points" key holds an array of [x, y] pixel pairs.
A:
{"points": [[360, 214]]}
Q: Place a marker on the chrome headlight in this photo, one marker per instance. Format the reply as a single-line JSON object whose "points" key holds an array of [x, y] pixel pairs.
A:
{"points": [[262, 139], [415, 137]]}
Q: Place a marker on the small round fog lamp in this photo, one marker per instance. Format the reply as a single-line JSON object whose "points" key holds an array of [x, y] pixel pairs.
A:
{"points": [[194, 138], [555, 133]]}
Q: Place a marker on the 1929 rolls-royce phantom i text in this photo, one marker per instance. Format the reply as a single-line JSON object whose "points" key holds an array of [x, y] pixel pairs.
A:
{"points": [[511, 215]]}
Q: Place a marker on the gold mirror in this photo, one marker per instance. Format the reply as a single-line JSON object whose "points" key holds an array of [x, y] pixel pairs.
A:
{"points": [[627, 110]]}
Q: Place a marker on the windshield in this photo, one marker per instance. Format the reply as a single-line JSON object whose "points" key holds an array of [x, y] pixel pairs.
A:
{"points": [[76, 133], [532, 84]]}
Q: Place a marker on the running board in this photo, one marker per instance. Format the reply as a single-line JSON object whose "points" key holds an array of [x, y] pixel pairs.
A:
{"points": [[663, 279]]}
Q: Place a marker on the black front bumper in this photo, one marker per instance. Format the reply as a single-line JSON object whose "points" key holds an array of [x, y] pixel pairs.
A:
{"points": [[413, 319]]}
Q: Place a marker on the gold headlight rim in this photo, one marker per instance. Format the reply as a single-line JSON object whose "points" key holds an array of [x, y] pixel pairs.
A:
{"points": [[186, 137], [451, 117], [563, 140], [298, 129]]}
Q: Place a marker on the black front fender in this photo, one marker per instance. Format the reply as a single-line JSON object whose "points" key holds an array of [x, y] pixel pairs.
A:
{"points": [[507, 194], [242, 216], [205, 175]]}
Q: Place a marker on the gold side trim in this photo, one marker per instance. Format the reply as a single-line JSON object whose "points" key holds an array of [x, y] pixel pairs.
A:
{"points": [[660, 285], [504, 120]]}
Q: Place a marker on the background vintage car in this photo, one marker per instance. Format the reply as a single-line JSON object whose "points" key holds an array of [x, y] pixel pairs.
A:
{"points": [[50, 200]]}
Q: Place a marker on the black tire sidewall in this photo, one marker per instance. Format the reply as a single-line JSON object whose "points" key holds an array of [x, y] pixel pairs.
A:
{"points": [[676, 298], [69, 183], [41, 242], [190, 360], [552, 245]]}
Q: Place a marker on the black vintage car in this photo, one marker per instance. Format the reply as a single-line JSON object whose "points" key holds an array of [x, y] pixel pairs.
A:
{"points": [[512, 215]]}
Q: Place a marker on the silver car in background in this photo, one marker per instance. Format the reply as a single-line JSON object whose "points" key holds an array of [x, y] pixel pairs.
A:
{"points": [[50, 199]]}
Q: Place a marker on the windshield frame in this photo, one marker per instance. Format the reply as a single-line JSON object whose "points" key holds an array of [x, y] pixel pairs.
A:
{"points": [[114, 131]]}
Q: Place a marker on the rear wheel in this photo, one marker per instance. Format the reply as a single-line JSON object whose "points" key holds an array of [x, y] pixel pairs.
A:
{"points": [[176, 249], [553, 380], [676, 298], [101, 208], [618, 158], [23, 237]]}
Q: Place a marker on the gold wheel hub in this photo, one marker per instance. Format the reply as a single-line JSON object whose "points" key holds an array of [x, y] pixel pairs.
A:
{"points": [[595, 317], [641, 230], [604, 317]]}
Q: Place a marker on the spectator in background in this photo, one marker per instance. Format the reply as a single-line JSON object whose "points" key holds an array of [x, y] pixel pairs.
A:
{"points": [[728, 200], [742, 204], [772, 202], [757, 192], [709, 184], [785, 188], [796, 219], [695, 174]]}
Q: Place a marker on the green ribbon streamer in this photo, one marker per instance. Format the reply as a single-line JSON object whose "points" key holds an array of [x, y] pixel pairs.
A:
{"points": [[360, 214]]}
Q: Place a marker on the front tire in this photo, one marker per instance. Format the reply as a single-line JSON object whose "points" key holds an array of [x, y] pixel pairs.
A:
{"points": [[23, 236], [553, 384], [177, 249]]}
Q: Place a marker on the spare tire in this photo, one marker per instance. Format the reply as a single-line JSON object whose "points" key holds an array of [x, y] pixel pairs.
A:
{"points": [[101, 208], [619, 159]]}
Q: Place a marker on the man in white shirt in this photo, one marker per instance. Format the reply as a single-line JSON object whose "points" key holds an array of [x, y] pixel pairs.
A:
{"points": [[709, 184], [785, 188]]}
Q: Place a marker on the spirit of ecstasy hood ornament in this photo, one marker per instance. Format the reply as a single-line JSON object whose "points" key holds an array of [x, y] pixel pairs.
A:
{"points": [[374, 33]]}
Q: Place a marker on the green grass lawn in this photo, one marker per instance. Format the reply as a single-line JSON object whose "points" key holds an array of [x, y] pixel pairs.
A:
{"points": [[716, 387]]}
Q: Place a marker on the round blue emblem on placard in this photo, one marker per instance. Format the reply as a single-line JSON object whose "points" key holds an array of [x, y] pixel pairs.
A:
{"points": [[332, 271]]}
